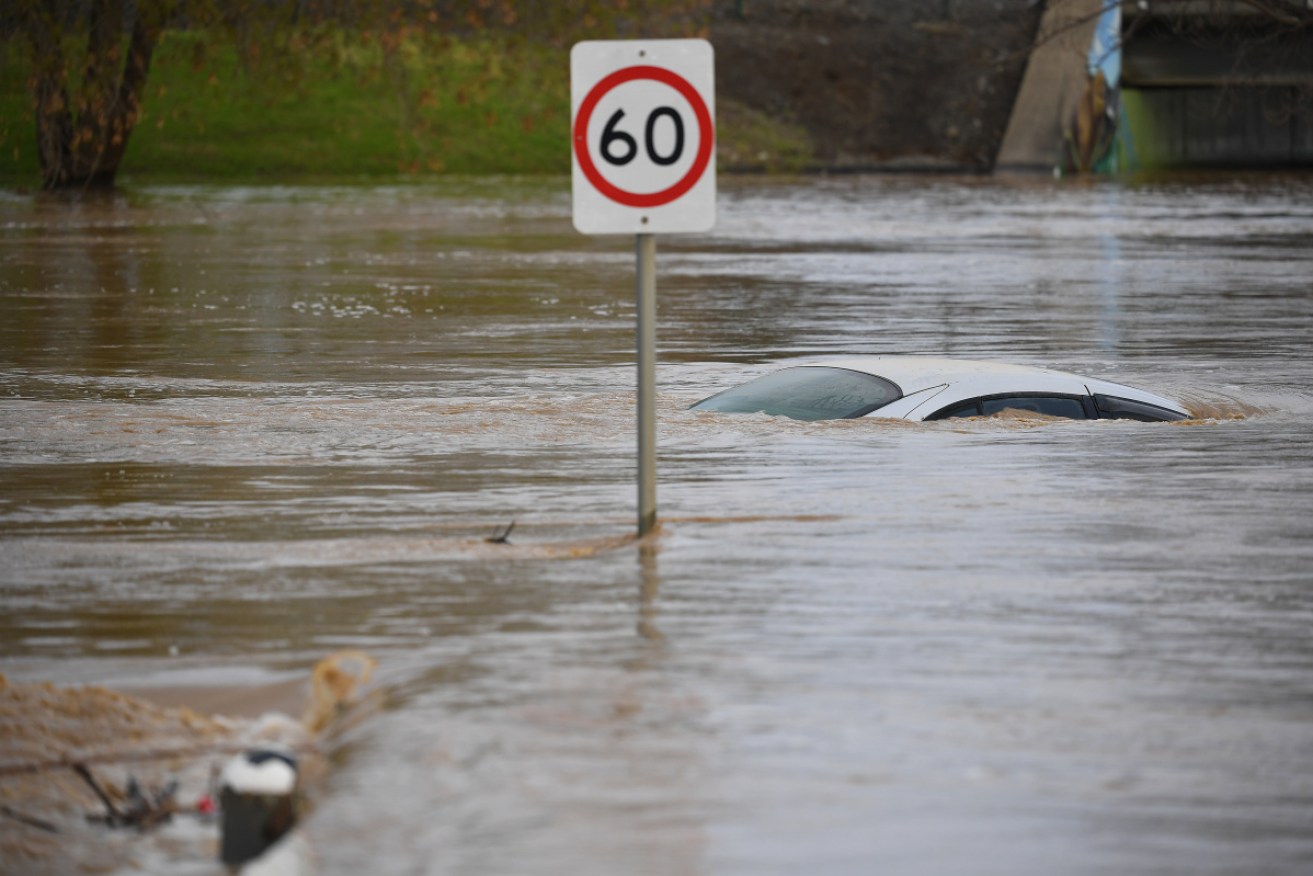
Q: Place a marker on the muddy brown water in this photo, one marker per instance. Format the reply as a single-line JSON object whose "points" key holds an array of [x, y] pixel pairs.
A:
{"points": [[241, 428]]}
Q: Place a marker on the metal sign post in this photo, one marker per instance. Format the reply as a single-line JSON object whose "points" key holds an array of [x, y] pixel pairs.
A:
{"points": [[645, 248], [643, 129]]}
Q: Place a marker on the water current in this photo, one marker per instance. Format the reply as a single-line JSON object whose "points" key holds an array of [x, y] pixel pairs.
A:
{"points": [[241, 428]]}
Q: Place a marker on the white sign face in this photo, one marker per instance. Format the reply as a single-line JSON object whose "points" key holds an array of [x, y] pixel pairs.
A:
{"points": [[643, 128]]}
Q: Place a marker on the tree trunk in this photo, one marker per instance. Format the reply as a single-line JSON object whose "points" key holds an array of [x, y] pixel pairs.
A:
{"points": [[82, 146], [54, 119]]}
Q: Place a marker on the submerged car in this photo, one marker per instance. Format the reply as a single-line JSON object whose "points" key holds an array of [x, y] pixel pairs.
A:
{"points": [[928, 388]]}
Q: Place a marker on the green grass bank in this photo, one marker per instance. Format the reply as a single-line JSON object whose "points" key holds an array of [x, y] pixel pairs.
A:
{"points": [[354, 112]]}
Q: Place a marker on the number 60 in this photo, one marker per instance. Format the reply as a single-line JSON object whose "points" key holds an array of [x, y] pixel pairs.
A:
{"points": [[610, 137]]}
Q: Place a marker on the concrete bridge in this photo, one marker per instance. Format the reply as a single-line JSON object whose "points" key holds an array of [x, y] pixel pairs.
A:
{"points": [[1164, 83], [974, 85]]}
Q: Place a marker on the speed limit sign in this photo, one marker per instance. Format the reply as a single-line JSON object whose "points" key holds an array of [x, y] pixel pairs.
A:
{"points": [[643, 136]]}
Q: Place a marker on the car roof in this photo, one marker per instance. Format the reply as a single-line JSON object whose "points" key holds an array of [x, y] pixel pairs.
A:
{"points": [[930, 383], [915, 373]]}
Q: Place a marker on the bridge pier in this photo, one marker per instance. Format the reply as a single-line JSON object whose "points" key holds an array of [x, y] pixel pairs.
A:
{"points": [[1194, 84], [1051, 88]]}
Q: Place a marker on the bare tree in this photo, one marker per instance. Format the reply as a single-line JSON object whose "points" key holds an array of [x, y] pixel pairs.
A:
{"points": [[85, 113]]}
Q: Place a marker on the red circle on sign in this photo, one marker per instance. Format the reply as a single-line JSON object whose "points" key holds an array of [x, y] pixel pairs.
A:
{"points": [[700, 160]]}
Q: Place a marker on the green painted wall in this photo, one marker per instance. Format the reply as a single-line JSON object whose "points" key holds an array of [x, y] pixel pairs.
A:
{"points": [[1233, 126]]}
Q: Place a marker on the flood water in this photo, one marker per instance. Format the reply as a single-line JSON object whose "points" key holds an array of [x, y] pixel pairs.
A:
{"points": [[241, 428]]}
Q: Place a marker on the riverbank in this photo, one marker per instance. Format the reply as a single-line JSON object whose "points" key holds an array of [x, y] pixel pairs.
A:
{"points": [[832, 86], [480, 106], [70, 756], [210, 116], [879, 85]]}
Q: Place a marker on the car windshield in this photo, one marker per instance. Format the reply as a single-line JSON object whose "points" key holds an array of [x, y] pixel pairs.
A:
{"points": [[806, 393]]}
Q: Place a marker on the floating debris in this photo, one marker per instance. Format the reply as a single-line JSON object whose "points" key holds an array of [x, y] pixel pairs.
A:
{"points": [[75, 761], [260, 800], [334, 686], [141, 811]]}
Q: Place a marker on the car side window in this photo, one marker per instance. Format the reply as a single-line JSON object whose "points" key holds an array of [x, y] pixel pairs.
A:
{"points": [[962, 409], [1051, 406], [1114, 408], [1066, 406]]}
